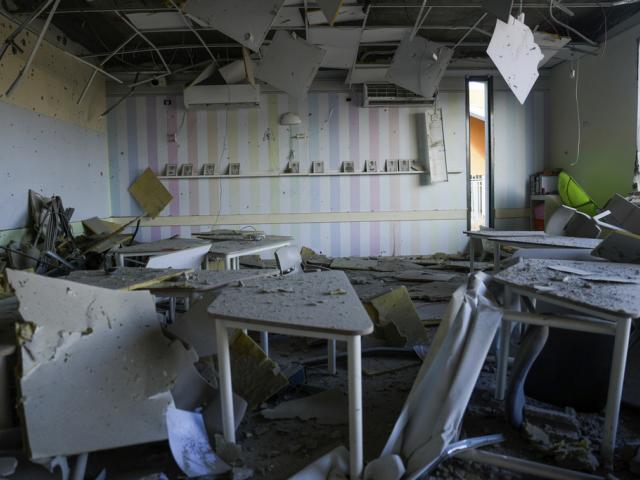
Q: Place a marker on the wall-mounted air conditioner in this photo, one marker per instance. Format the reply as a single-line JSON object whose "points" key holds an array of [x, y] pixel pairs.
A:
{"points": [[222, 96], [390, 95]]}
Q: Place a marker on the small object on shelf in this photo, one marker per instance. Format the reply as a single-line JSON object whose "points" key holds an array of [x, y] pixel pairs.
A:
{"points": [[404, 165], [543, 183], [318, 167], [372, 166], [186, 170], [234, 169], [392, 165], [171, 170], [294, 167], [347, 167], [209, 169]]}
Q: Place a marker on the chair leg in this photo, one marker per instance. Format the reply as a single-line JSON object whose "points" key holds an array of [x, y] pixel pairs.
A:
{"points": [[264, 342]]}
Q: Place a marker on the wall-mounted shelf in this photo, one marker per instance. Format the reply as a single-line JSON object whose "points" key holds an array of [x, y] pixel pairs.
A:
{"points": [[271, 174]]}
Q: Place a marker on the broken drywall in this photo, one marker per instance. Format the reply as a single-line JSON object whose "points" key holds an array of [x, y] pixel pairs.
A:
{"points": [[103, 352], [398, 319], [516, 55]]}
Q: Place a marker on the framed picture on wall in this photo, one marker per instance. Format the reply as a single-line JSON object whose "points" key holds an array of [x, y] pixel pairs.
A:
{"points": [[171, 170], [372, 166], [347, 167], [404, 165], [209, 169], [318, 167], [186, 170], [294, 167], [234, 169], [392, 165]]}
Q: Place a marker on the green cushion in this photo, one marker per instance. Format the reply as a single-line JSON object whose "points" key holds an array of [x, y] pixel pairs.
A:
{"points": [[574, 196]]}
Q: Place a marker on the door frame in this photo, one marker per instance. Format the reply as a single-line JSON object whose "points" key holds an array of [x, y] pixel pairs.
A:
{"points": [[488, 79]]}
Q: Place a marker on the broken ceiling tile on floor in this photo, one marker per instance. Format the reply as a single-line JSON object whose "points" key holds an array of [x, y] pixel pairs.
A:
{"points": [[190, 444], [433, 292], [622, 247], [290, 64], [327, 408], [392, 264], [418, 65], [105, 352], [626, 214], [256, 377], [398, 319], [341, 45], [125, 278], [424, 276], [246, 22], [516, 55], [150, 193], [354, 263]]}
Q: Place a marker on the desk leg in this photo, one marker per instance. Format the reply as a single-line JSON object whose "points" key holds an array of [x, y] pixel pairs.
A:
{"points": [[472, 255], [226, 392], [504, 339], [227, 263], [80, 467], [264, 342], [119, 260], [614, 397], [331, 357], [355, 408], [496, 257]]}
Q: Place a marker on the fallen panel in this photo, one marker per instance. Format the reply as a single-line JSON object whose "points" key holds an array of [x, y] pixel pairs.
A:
{"points": [[190, 444], [398, 319], [96, 368], [98, 226], [289, 17], [341, 45], [290, 64], [246, 22], [433, 291], [330, 9], [383, 34], [550, 44], [516, 55], [150, 194], [418, 65], [328, 408], [433, 151], [124, 278], [353, 13], [364, 74], [620, 247], [626, 214], [425, 276], [353, 263]]}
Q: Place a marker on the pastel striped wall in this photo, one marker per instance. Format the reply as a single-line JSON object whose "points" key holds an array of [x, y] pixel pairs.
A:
{"points": [[336, 130]]}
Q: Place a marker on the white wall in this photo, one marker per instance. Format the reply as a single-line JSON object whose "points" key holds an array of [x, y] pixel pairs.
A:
{"points": [[608, 96]]}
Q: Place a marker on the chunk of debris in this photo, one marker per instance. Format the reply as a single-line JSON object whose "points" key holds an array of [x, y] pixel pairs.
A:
{"points": [[150, 193], [398, 319], [353, 263], [328, 408]]}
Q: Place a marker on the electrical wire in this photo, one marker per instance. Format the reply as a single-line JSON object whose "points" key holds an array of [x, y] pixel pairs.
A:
{"points": [[577, 77], [568, 27], [224, 148]]}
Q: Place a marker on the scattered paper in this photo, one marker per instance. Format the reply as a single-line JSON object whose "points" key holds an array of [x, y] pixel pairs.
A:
{"points": [[566, 269], [516, 55], [190, 445]]}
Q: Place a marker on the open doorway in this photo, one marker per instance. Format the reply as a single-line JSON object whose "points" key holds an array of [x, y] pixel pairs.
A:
{"points": [[479, 175]]}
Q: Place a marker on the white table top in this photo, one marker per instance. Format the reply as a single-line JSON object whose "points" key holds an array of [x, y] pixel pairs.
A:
{"points": [[550, 241], [203, 280], [617, 299], [163, 246], [322, 302], [237, 247]]}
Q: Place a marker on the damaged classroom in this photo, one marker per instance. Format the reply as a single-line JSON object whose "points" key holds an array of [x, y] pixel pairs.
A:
{"points": [[319, 239]]}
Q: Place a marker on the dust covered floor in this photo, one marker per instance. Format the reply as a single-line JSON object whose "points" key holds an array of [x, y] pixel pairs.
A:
{"points": [[277, 448]]}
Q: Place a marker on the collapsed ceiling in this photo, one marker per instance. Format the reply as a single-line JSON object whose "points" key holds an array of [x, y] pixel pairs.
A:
{"points": [[145, 38]]}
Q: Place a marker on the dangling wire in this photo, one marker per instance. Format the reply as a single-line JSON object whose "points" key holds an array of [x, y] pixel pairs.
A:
{"points": [[576, 74]]}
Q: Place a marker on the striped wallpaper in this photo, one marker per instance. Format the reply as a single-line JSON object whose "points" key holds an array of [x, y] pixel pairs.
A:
{"points": [[141, 132]]}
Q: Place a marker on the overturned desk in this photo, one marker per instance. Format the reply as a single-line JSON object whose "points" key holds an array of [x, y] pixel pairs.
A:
{"points": [[609, 293], [232, 250], [159, 247], [319, 305], [525, 239]]}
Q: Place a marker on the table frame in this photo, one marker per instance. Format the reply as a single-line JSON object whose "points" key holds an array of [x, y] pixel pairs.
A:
{"points": [[618, 326], [232, 260], [356, 459]]}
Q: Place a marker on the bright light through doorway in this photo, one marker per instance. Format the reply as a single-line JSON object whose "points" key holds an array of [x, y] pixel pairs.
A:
{"points": [[478, 154]]}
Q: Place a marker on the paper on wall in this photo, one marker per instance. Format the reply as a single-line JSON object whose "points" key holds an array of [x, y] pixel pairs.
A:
{"points": [[190, 445], [516, 55]]}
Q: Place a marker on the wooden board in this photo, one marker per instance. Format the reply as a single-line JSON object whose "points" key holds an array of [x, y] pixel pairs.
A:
{"points": [[151, 195], [301, 302], [124, 278]]}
